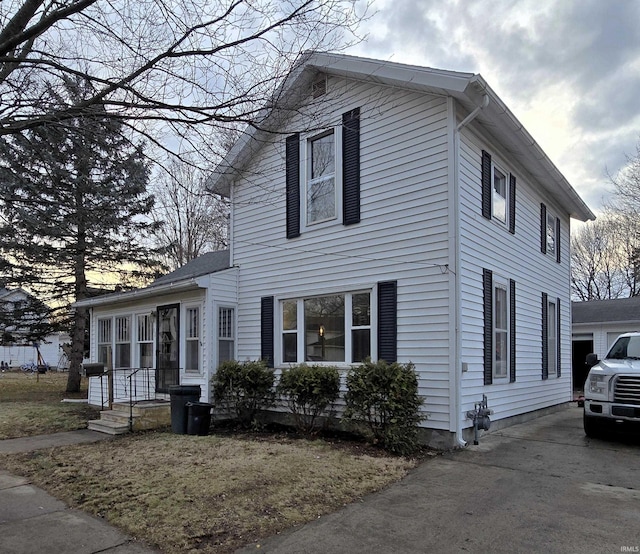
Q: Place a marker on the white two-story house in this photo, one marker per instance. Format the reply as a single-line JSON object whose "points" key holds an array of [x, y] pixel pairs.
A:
{"points": [[403, 213]]}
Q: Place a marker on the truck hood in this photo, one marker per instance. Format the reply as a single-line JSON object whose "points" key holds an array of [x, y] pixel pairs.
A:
{"points": [[611, 366]]}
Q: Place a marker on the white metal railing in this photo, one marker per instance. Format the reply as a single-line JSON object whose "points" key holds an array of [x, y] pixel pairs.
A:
{"points": [[129, 385]]}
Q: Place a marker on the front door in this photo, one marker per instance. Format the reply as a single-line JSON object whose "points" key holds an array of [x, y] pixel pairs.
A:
{"points": [[168, 358]]}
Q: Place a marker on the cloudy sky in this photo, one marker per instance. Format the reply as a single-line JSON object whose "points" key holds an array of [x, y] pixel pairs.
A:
{"points": [[568, 69]]}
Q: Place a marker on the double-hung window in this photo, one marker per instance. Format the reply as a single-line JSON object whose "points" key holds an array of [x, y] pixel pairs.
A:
{"points": [[498, 193], [549, 233], [322, 176], [144, 338], [192, 340], [550, 336], [500, 330], [333, 328], [225, 334], [499, 299], [104, 341], [123, 342], [321, 197]]}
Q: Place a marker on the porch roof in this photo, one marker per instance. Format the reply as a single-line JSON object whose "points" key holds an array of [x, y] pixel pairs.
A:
{"points": [[188, 277]]}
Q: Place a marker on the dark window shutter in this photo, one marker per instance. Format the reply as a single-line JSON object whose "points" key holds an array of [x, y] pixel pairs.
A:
{"points": [[543, 228], [512, 331], [512, 204], [351, 167], [558, 258], [558, 341], [487, 288], [545, 337], [266, 329], [486, 184], [388, 321], [293, 185]]}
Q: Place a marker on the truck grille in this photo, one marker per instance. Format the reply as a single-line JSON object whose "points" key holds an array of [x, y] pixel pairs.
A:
{"points": [[627, 390]]}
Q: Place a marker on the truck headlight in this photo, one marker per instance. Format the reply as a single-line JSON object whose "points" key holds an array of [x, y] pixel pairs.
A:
{"points": [[597, 385]]}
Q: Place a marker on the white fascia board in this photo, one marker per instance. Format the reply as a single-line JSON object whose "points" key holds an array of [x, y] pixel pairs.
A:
{"points": [[141, 294]]}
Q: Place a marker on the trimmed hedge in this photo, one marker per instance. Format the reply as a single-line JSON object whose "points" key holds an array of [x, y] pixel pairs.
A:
{"points": [[309, 392], [244, 388], [385, 398]]}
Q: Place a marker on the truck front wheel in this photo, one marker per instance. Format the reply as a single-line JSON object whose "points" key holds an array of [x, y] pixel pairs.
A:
{"points": [[592, 426]]}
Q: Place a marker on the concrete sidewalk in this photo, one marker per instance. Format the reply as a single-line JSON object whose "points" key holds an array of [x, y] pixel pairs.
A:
{"points": [[32, 521]]}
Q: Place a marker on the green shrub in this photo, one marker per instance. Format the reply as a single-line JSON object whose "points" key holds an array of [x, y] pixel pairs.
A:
{"points": [[244, 388], [385, 398], [309, 391]]}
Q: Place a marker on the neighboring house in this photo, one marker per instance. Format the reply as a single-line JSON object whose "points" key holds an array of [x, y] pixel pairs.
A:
{"points": [[396, 212], [20, 322], [171, 332], [596, 325]]}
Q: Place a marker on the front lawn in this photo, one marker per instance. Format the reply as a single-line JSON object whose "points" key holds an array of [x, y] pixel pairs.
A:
{"points": [[31, 404], [209, 494]]}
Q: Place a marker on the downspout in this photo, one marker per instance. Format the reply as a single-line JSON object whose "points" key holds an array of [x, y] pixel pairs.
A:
{"points": [[458, 292]]}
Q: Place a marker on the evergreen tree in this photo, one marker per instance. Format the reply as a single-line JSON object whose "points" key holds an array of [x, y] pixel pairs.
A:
{"points": [[73, 200]]}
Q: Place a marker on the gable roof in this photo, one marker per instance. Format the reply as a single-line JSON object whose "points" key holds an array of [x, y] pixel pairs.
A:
{"points": [[182, 279], [606, 311], [470, 90]]}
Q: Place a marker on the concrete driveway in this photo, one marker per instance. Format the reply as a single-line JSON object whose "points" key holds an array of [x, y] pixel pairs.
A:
{"points": [[541, 486]]}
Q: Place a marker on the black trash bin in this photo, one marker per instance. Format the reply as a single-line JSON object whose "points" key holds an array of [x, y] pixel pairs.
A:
{"points": [[199, 418], [180, 395]]}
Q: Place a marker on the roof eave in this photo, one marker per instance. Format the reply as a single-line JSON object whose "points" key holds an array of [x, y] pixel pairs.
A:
{"points": [[140, 294]]}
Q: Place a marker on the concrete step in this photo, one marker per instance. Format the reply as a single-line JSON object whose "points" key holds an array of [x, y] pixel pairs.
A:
{"points": [[143, 407], [108, 427], [115, 416]]}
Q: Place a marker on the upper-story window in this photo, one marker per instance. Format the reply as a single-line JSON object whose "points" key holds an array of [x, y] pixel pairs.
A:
{"points": [[321, 183], [499, 197], [323, 176], [549, 233], [498, 193]]}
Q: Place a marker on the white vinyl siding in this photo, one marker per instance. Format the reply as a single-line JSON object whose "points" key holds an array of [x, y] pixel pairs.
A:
{"points": [[403, 233], [485, 245]]}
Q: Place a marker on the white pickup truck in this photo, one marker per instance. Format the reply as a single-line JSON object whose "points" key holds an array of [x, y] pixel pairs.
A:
{"points": [[612, 388]]}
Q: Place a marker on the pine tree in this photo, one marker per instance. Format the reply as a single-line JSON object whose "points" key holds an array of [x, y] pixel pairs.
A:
{"points": [[73, 200]]}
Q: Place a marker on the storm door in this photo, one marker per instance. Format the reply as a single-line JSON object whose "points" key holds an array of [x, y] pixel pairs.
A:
{"points": [[168, 358]]}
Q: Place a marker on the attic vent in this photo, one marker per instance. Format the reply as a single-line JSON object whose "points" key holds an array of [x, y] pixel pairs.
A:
{"points": [[319, 86]]}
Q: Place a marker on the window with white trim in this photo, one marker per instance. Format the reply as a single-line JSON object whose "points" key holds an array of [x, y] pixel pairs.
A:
{"points": [[104, 341], [552, 338], [500, 329], [226, 335], [144, 339], [334, 328], [123, 342], [192, 340], [499, 194], [321, 194], [552, 223]]}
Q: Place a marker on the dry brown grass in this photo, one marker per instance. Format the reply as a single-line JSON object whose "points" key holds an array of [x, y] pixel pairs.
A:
{"points": [[31, 405], [211, 494]]}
